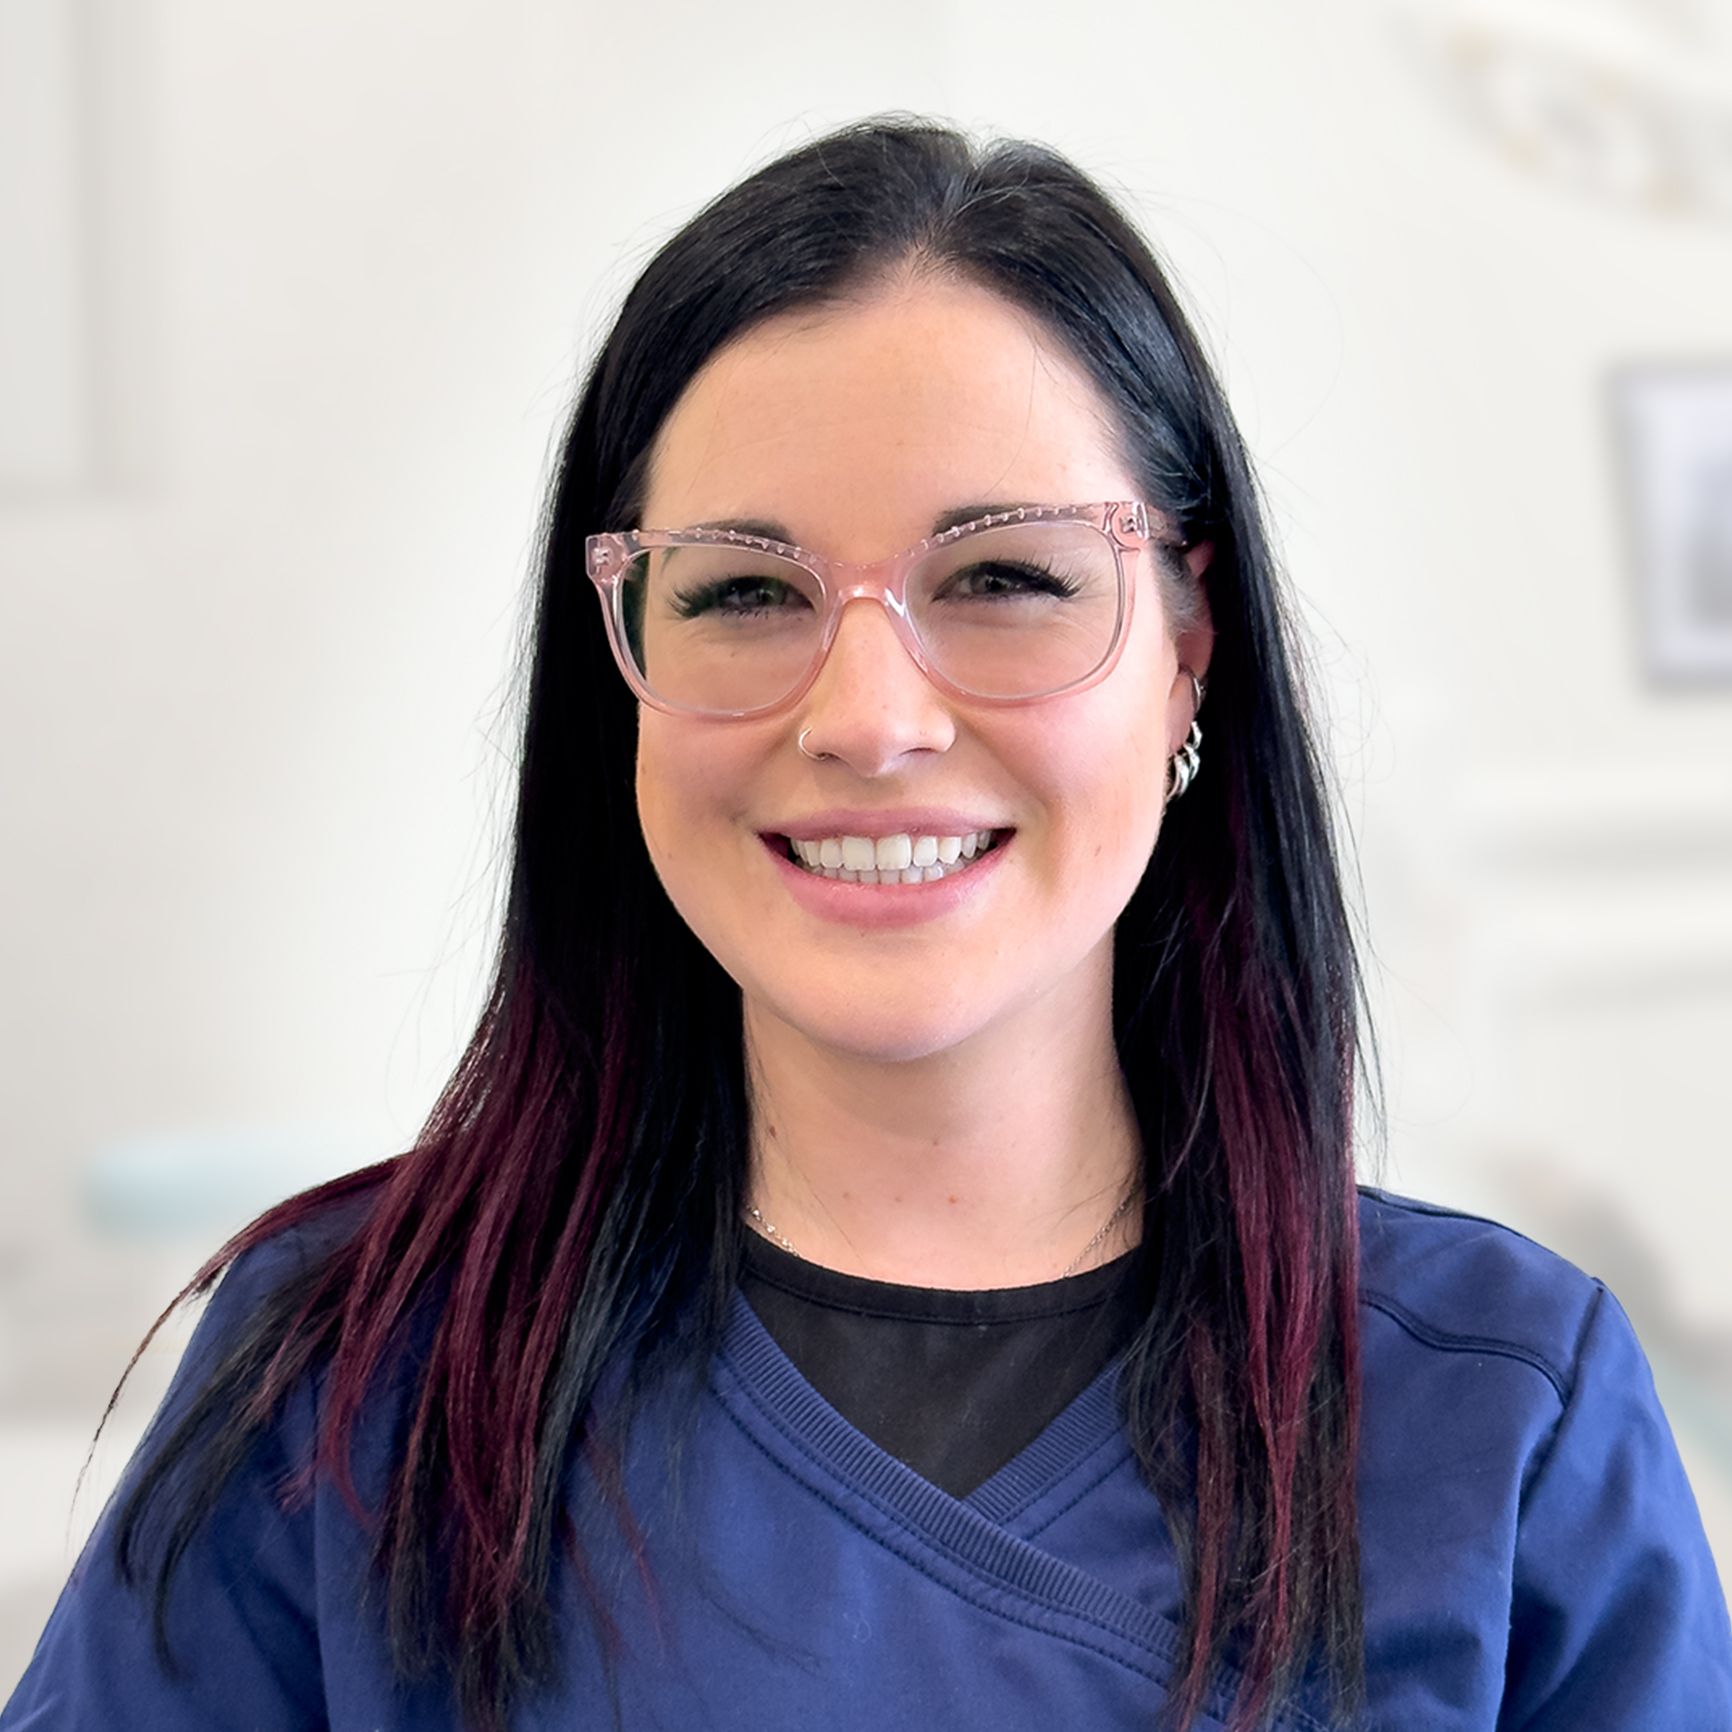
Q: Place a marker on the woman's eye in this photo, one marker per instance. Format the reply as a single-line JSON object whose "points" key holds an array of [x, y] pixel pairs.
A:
{"points": [[1002, 577], [738, 595]]}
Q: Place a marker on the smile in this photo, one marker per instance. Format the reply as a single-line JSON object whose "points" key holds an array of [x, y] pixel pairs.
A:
{"points": [[900, 859]]}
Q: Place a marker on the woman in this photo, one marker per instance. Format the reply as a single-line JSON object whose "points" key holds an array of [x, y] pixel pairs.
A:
{"points": [[891, 1250]]}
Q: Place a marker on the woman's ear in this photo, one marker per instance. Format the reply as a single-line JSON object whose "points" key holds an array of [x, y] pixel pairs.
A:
{"points": [[1196, 643], [1192, 648]]}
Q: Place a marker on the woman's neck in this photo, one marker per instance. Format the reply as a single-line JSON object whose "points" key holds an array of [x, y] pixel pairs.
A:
{"points": [[990, 1164]]}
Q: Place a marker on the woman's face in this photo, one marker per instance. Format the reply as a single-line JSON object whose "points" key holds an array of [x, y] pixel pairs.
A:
{"points": [[855, 429]]}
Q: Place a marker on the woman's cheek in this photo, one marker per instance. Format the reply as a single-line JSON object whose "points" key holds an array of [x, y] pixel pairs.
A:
{"points": [[665, 815]]}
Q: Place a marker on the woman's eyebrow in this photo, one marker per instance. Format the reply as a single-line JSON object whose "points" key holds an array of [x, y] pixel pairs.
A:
{"points": [[772, 531], [746, 526], [967, 513]]}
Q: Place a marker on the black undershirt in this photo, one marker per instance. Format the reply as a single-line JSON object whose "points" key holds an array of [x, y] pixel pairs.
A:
{"points": [[954, 1383]]}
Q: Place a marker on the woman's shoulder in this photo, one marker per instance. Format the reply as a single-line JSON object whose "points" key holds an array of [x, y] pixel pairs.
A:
{"points": [[198, 1547], [245, 1316], [1514, 1440], [1456, 1282], [257, 1273]]}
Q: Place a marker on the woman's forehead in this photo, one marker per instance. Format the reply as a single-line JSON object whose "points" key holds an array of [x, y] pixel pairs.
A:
{"points": [[912, 400]]}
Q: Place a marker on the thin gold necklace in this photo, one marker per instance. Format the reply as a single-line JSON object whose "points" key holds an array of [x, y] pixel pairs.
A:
{"points": [[778, 1237]]}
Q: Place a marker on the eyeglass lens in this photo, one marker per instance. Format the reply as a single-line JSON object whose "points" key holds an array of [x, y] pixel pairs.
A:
{"points": [[1013, 610]]}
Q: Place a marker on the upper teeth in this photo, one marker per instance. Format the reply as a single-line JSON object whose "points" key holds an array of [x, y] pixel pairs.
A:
{"points": [[892, 853]]}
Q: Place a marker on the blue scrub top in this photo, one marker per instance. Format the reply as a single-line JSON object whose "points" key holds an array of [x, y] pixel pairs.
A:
{"points": [[1533, 1557]]}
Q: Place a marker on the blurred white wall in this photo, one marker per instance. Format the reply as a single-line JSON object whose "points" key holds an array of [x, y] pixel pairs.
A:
{"points": [[335, 268]]}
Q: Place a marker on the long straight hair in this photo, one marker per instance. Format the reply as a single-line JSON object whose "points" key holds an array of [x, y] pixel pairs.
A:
{"points": [[573, 1200]]}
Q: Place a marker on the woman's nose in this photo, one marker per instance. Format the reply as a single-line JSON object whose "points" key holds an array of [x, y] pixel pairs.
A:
{"points": [[871, 701]]}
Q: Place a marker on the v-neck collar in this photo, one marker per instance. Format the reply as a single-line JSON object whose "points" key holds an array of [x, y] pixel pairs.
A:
{"points": [[809, 1435], [982, 1544], [1089, 1425]]}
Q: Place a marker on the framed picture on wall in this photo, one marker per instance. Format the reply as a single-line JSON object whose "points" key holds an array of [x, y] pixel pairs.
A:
{"points": [[1674, 434]]}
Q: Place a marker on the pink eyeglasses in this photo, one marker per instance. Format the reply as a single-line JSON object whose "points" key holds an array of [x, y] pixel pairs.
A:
{"points": [[1006, 608]]}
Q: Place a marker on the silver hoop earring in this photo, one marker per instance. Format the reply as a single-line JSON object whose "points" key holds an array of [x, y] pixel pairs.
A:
{"points": [[1186, 761]]}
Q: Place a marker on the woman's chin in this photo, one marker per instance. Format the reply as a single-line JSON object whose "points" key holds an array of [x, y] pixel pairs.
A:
{"points": [[893, 1035]]}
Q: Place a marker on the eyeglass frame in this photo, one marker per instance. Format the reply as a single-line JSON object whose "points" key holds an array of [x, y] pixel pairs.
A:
{"points": [[1129, 526]]}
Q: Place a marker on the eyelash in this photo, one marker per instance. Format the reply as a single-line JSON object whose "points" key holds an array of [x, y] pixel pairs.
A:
{"points": [[708, 597]]}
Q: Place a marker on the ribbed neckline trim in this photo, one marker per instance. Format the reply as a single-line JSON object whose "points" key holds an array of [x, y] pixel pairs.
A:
{"points": [[766, 1391], [1091, 1422]]}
